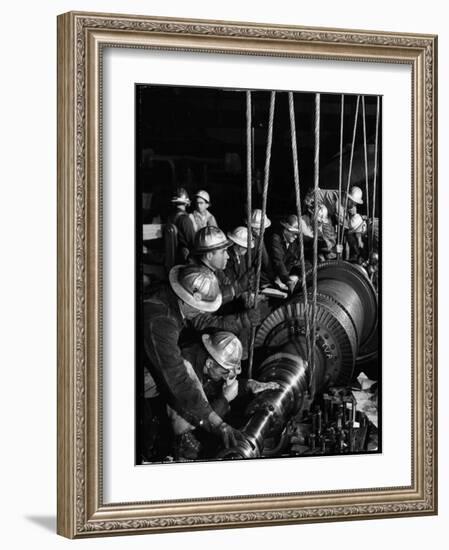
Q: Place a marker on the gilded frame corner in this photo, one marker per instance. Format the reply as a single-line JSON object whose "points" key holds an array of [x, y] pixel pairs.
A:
{"points": [[81, 511]]}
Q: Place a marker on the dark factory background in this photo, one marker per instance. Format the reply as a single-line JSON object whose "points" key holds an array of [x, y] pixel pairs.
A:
{"points": [[196, 138]]}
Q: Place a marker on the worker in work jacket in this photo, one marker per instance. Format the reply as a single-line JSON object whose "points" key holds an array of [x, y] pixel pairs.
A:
{"points": [[201, 217], [216, 362], [185, 229], [283, 247], [267, 273], [191, 300]]}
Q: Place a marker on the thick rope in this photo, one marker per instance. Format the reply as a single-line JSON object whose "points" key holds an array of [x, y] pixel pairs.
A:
{"points": [[375, 167], [262, 222], [299, 214], [365, 149], [354, 132], [315, 228], [249, 206], [340, 172]]}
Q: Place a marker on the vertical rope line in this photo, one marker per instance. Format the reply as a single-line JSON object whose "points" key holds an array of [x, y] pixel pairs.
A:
{"points": [[291, 106], [365, 150], [340, 173], [354, 132], [249, 206], [262, 222], [315, 227], [375, 167]]}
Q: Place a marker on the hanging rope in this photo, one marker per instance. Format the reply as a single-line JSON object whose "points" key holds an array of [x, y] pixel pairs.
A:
{"points": [[249, 206], [262, 222], [354, 132], [365, 149], [340, 172], [299, 214], [375, 167], [315, 229]]}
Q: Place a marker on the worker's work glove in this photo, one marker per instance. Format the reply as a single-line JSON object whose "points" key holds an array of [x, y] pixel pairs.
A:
{"points": [[230, 389], [292, 282], [255, 386], [280, 284], [228, 435]]}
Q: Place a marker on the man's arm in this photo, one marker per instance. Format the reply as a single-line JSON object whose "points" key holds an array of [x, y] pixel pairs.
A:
{"points": [[161, 346]]}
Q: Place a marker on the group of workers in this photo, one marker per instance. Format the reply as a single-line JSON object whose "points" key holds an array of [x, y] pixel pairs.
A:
{"points": [[197, 327]]}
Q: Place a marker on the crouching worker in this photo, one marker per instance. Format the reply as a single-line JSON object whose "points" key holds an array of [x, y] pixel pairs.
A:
{"points": [[190, 301], [215, 365]]}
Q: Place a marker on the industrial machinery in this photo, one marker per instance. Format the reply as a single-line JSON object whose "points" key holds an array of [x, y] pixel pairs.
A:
{"points": [[346, 321]]}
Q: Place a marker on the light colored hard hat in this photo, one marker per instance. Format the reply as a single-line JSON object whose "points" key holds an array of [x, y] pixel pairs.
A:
{"points": [[356, 224], [239, 235], [291, 223], [256, 219], [201, 194], [210, 238], [197, 286], [181, 196], [356, 195], [225, 348]]}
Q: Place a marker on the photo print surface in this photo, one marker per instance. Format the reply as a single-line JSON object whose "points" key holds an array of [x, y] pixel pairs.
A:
{"points": [[258, 274]]}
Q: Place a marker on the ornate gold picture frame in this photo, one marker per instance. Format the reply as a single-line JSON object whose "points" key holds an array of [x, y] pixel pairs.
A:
{"points": [[82, 508]]}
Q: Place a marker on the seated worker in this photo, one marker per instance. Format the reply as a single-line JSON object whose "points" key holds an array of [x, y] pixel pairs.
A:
{"points": [[329, 198], [237, 269], [216, 364], [283, 247], [183, 223], [211, 250], [190, 300], [327, 238], [201, 217], [267, 274], [356, 232]]}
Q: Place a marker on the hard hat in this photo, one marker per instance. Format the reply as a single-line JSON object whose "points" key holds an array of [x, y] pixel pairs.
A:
{"points": [[356, 195], [197, 286], [356, 224], [239, 235], [291, 223], [181, 196], [256, 219], [210, 238], [225, 348], [201, 194]]}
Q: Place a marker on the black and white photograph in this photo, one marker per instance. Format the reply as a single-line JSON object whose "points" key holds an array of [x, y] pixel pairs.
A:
{"points": [[258, 274]]}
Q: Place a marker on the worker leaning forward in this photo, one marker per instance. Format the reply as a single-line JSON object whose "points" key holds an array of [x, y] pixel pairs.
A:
{"points": [[216, 361], [189, 301]]}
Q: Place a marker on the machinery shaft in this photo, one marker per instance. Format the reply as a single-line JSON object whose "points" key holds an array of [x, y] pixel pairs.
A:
{"points": [[346, 320]]}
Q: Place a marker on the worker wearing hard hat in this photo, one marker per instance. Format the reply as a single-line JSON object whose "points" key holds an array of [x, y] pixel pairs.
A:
{"points": [[329, 198], [189, 301], [212, 249], [237, 269], [215, 364], [283, 247], [201, 217], [267, 274], [185, 229]]}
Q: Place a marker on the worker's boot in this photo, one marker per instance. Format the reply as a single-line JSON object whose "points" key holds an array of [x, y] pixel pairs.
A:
{"points": [[186, 446]]}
